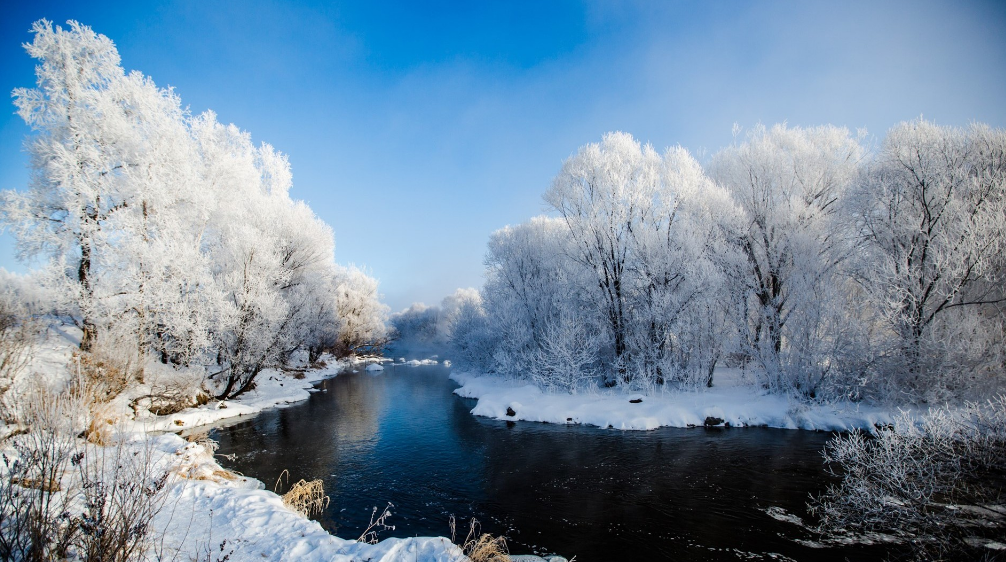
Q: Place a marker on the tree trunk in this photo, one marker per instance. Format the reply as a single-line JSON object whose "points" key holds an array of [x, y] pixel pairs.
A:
{"points": [[90, 335]]}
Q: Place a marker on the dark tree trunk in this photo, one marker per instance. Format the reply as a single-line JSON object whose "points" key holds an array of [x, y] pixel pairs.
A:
{"points": [[90, 335]]}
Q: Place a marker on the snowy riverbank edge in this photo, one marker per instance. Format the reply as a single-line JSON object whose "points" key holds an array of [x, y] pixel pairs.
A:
{"points": [[209, 512], [207, 504], [737, 405]]}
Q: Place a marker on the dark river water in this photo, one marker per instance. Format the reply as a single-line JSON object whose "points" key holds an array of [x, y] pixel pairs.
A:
{"points": [[401, 436]]}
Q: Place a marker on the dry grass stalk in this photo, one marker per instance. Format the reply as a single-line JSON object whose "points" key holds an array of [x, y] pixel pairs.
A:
{"points": [[103, 377], [306, 498], [481, 547], [101, 423], [203, 438], [46, 485], [377, 525]]}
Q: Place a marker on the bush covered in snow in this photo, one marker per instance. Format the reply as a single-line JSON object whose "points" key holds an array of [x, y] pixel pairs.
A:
{"points": [[937, 481]]}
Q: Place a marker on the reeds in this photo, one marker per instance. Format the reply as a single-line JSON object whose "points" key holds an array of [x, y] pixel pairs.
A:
{"points": [[481, 547], [306, 498]]}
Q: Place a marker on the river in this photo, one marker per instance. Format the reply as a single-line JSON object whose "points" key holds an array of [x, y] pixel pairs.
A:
{"points": [[401, 436]]}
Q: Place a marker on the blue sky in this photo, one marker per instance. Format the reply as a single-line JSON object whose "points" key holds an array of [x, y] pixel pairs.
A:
{"points": [[415, 129]]}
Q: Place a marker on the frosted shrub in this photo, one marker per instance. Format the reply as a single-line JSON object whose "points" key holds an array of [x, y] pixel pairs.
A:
{"points": [[17, 341], [471, 341], [33, 498], [567, 358], [937, 480], [59, 494]]}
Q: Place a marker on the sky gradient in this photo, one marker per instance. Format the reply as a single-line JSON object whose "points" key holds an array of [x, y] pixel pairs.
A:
{"points": [[416, 129]]}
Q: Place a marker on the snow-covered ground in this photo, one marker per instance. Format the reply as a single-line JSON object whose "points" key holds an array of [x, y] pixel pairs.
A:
{"points": [[734, 401], [213, 514]]}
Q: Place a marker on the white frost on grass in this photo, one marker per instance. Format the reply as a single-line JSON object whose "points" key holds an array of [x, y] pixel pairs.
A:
{"points": [[739, 405]]}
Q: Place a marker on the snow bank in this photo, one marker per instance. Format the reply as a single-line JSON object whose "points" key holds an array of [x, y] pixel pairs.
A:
{"points": [[210, 512], [207, 505], [738, 406], [273, 389], [420, 362]]}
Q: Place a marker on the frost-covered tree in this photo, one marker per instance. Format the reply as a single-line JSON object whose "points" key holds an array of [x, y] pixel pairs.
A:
{"points": [[600, 193], [649, 229], [932, 215], [627, 281], [417, 324], [364, 317], [273, 259], [471, 339], [115, 197], [172, 237], [533, 287], [789, 183], [678, 246], [82, 149]]}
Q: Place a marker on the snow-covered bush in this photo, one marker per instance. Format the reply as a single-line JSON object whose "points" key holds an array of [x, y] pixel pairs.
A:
{"points": [[18, 332], [936, 481], [473, 340], [61, 495], [567, 356]]}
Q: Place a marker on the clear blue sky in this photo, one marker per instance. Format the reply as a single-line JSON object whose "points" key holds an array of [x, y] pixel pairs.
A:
{"points": [[417, 128]]}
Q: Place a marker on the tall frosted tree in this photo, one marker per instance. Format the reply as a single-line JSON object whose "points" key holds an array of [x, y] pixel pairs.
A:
{"points": [[600, 193], [174, 237], [679, 250], [932, 214], [79, 156], [789, 183]]}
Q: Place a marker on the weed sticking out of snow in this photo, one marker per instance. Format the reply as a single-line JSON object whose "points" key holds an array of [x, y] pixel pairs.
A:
{"points": [[306, 498], [378, 523], [481, 547]]}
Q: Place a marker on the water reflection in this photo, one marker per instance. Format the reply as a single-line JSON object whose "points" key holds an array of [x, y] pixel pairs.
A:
{"points": [[401, 436]]}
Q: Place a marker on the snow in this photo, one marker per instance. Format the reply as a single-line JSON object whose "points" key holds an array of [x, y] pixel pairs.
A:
{"points": [[207, 505], [739, 405], [210, 512], [273, 390], [421, 362]]}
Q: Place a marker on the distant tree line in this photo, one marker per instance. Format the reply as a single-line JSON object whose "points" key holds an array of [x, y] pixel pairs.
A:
{"points": [[829, 269], [170, 235]]}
